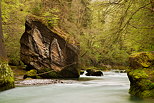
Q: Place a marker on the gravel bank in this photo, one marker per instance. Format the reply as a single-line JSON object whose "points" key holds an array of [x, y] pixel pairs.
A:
{"points": [[42, 82]]}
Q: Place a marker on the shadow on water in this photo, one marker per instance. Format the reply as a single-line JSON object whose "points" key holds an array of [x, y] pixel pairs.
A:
{"points": [[134, 99], [87, 79]]}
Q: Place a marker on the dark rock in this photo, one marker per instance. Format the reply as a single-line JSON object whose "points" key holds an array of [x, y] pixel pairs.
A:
{"points": [[122, 71], [141, 74], [82, 72], [91, 72], [97, 73], [47, 50]]}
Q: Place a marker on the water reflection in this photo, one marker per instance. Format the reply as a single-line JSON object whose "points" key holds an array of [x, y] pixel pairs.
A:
{"points": [[140, 100]]}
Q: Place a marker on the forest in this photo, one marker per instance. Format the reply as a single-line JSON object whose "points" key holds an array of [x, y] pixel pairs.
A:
{"points": [[97, 34], [107, 32]]}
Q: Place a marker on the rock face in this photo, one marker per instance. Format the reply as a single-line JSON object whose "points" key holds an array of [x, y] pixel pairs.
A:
{"points": [[141, 74], [47, 51], [91, 72]]}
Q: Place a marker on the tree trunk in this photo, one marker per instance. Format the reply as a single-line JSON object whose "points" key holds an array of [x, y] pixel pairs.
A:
{"points": [[2, 51], [6, 74], [152, 5]]}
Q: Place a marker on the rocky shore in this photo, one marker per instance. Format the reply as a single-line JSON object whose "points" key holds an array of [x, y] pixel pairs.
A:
{"points": [[141, 74], [42, 82]]}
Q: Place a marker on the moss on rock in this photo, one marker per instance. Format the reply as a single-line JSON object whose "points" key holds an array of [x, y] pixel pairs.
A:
{"points": [[48, 73], [143, 59], [6, 77], [32, 74], [141, 75]]}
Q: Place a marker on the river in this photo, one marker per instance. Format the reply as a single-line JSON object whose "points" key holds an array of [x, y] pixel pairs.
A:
{"points": [[110, 88]]}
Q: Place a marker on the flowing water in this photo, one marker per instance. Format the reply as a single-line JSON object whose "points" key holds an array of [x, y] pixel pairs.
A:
{"points": [[110, 88]]}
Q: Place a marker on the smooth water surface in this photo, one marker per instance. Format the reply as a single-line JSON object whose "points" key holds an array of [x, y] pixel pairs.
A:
{"points": [[110, 88]]}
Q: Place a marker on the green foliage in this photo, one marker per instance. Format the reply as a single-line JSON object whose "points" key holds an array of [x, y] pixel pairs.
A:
{"points": [[120, 29], [147, 93], [6, 76], [13, 14], [107, 32], [141, 78], [32, 73], [51, 17], [138, 74], [143, 59], [91, 68], [37, 9], [140, 24], [48, 14], [48, 73]]}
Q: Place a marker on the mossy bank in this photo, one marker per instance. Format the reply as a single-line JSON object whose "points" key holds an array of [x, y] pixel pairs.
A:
{"points": [[141, 74], [6, 77]]}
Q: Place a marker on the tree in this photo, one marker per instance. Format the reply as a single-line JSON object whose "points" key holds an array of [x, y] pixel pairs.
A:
{"points": [[6, 75], [2, 51]]}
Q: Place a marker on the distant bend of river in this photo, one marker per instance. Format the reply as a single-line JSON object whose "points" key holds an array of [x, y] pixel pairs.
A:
{"points": [[110, 88]]}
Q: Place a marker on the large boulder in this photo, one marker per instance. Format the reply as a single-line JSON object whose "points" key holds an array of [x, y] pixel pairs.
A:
{"points": [[141, 74], [48, 50]]}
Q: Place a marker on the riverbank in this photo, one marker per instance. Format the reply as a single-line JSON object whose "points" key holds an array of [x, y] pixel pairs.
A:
{"points": [[31, 82], [19, 81]]}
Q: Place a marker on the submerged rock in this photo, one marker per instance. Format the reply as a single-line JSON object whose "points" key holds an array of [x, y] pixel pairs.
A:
{"points": [[141, 74], [47, 50], [6, 77]]}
